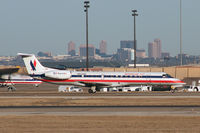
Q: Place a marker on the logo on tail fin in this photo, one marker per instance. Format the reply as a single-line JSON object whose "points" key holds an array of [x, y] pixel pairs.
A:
{"points": [[33, 65]]}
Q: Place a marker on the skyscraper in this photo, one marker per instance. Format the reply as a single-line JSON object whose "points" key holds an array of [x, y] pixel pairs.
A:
{"points": [[71, 48], [150, 49], [91, 50], [141, 53], [103, 47], [154, 49], [158, 43], [126, 51], [125, 55], [127, 44]]}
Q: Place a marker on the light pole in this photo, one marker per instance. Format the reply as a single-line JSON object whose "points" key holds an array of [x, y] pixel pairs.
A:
{"points": [[181, 54], [86, 5], [134, 13]]}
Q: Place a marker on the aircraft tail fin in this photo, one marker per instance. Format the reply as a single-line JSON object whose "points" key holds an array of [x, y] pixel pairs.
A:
{"points": [[32, 64]]}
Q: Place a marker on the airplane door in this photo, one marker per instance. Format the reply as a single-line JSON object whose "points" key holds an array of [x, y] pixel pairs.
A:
{"points": [[149, 78], [102, 77]]}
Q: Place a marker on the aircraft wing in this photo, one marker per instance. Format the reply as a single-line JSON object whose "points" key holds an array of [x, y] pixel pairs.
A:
{"points": [[8, 70], [106, 84], [89, 84]]}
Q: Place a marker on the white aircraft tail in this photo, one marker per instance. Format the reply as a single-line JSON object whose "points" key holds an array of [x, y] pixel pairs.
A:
{"points": [[33, 66]]}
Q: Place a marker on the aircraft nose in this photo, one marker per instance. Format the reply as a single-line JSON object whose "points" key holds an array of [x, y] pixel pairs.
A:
{"points": [[180, 82]]}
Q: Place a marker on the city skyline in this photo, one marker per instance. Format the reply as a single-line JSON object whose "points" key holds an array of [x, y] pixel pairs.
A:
{"points": [[48, 25]]}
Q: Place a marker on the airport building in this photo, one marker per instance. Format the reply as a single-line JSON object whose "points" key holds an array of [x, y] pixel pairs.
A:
{"points": [[44, 54], [165, 55]]}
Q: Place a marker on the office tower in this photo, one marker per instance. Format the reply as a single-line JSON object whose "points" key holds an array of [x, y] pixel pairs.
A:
{"points": [[103, 47], [154, 49], [158, 43], [91, 50], [150, 49], [71, 48], [126, 44], [125, 55], [141, 53]]}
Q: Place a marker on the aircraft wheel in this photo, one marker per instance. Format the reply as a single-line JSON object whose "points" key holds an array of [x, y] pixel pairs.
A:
{"points": [[13, 89], [172, 90], [91, 91], [196, 89], [9, 88]]}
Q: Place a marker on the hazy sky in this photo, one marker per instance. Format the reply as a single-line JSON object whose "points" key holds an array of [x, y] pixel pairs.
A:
{"points": [[48, 25]]}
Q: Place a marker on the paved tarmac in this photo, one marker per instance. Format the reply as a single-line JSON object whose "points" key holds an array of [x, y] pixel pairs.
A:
{"points": [[96, 96], [56, 93], [52, 90], [102, 110]]}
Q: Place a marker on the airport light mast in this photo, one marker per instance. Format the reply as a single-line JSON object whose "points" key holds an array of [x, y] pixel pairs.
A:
{"points": [[135, 42], [181, 54], [86, 5]]}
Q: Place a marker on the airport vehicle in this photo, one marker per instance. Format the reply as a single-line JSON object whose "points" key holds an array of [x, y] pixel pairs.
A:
{"points": [[191, 88], [64, 88], [127, 89], [96, 80], [138, 88]]}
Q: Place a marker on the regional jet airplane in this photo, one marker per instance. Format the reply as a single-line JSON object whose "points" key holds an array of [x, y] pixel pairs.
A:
{"points": [[8, 79], [95, 80]]}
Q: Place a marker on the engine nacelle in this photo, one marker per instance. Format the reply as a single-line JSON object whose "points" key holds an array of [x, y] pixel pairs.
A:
{"points": [[58, 74]]}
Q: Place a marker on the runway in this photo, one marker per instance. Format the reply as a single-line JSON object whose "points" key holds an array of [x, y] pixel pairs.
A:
{"points": [[45, 100], [102, 110]]}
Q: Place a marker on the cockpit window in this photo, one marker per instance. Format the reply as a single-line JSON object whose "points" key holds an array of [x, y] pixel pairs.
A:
{"points": [[166, 76]]}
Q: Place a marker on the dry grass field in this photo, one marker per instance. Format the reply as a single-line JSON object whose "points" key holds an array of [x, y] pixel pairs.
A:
{"points": [[99, 124]]}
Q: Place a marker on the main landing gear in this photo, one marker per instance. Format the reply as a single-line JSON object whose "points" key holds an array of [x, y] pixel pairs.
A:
{"points": [[92, 89], [173, 89], [11, 88]]}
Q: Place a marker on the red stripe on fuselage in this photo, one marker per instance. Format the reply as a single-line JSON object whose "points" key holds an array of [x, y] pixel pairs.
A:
{"points": [[20, 82], [124, 81]]}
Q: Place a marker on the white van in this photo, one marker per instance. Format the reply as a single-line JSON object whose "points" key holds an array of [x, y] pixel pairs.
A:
{"points": [[64, 88]]}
